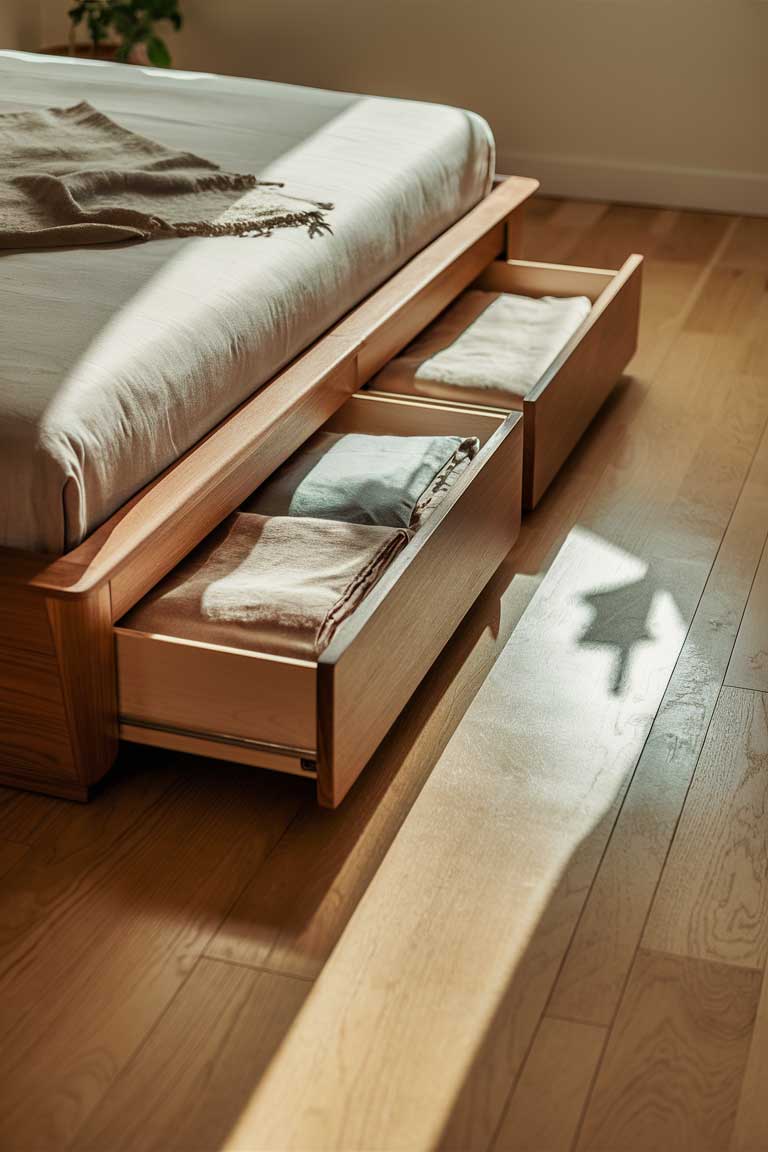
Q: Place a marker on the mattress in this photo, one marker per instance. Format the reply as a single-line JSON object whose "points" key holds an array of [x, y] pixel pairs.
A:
{"points": [[115, 360]]}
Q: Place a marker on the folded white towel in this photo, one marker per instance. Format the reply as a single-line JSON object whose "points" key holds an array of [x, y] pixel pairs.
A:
{"points": [[487, 348], [389, 480]]}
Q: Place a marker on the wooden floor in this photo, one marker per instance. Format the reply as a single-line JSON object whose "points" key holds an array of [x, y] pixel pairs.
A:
{"points": [[539, 923]]}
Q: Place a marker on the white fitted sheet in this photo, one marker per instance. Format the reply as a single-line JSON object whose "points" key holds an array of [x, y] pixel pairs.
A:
{"points": [[115, 360]]}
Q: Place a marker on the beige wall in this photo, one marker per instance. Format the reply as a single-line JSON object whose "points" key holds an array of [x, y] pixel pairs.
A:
{"points": [[657, 100], [19, 24]]}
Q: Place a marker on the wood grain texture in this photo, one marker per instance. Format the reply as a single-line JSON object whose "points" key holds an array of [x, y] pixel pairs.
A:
{"points": [[201, 688], [748, 247], [664, 235], [188, 1084], [26, 817], [380, 414], [85, 650], [601, 952], [712, 901], [102, 924], [671, 1073], [34, 727], [494, 839], [10, 855], [748, 667], [382, 652], [750, 1132], [575, 385], [533, 278], [554, 228], [545, 1109]]}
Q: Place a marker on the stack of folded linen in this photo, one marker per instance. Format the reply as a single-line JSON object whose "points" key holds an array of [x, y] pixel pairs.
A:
{"points": [[275, 584], [280, 575], [488, 348], [362, 479]]}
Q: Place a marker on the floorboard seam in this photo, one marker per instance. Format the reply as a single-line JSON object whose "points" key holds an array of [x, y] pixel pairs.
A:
{"points": [[259, 968]]}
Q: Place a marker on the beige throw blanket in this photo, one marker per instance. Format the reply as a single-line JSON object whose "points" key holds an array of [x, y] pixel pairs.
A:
{"points": [[276, 584], [72, 176], [487, 348]]}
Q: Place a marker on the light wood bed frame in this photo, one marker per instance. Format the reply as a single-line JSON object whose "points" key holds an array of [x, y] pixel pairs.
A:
{"points": [[59, 721], [58, 688]]}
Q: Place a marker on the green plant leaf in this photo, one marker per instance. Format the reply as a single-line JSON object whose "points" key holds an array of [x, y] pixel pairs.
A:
{"points": [[158, 53]]}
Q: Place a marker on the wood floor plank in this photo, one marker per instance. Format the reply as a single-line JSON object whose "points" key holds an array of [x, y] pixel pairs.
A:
{"points": [[552, 235], [749, 246], [750, 1132], [446, 964], [546, 1107], [601, 952], [660, 234], [748, 667], [733, 302], [689, 236], [621, 230], [26, 817], [187, 1086], [99, 932], [10, 855], [672, 1070], [712, 901]]}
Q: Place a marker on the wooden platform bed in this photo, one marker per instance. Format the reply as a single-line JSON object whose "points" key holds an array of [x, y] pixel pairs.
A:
{"points": [[73, 682]]}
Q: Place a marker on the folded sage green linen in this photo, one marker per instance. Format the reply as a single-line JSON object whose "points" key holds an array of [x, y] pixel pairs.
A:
{"points": [[488, 348], [362, 479], [275, 584], [73, 176]]}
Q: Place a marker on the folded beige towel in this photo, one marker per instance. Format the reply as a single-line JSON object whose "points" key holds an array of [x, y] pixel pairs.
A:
{"points": [[73, 176], [391, 480], [270, 584], [487, 348]]}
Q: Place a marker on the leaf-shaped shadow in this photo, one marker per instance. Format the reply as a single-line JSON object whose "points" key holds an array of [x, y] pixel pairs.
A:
{"points": [[621, 620]]}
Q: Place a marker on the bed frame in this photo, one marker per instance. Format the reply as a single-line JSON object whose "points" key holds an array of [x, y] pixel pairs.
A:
{"points": [[59, 721]]}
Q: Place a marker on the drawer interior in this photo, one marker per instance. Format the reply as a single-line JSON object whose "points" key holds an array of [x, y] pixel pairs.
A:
{"points": [[255, 707], [528, 278]]}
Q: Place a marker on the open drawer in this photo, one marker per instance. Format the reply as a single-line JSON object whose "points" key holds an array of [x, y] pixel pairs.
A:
{"points": [[563, 402], [325, 718]]}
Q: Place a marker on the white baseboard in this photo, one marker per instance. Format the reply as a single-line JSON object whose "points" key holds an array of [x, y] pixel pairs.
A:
{"points": [[713, 190]]}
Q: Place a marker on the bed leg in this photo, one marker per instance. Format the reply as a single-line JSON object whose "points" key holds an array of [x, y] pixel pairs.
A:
{"points": [[85, 648], [58, 693]]}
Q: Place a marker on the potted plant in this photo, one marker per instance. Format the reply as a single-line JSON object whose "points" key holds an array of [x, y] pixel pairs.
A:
{"points": [[122, 30]]}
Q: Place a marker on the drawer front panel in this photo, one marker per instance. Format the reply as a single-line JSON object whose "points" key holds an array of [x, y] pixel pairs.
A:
{"points": [[572, 391], [381, 654], [196, 688]]}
